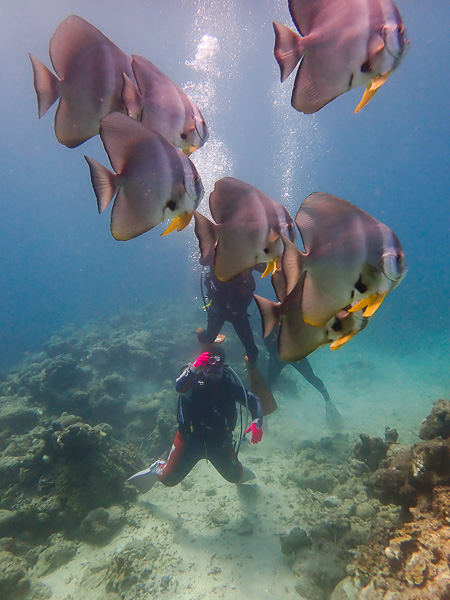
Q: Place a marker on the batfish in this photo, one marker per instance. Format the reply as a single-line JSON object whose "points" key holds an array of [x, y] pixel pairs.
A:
{"points": [[89, 80], [153, 181], [298, 339], [163, 106], [343, 44], [247, 230], [350, 258]]}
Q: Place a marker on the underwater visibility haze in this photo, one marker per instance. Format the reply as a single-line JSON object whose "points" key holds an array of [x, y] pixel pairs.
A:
{"points": [[63, 274]]}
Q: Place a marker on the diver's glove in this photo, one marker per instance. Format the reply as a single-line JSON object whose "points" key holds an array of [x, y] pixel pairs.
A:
{"points": [[256, 429]]}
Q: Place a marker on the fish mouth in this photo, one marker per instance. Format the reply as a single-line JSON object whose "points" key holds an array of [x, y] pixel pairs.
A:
{"points": [[179, 223]]}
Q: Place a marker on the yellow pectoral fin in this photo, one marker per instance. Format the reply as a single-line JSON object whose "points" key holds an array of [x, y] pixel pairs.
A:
{"points": [[378, 82], [190, 150], [184, 220], [342, 340], [359, 305], [271, 268], [179, 223], [172, 226], [371, 90], [374, 304]]}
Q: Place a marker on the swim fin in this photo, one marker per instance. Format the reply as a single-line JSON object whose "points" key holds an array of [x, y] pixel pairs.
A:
{"points": [[259, 387], [144, 480], [219, 338], [247, 475]]}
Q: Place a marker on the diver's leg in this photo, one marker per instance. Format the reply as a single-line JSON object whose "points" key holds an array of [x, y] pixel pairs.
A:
{"points": [[223, 456], [304, 368], [215, 322], [334, 419], [244, 332], [276, 365], [183, 456]]}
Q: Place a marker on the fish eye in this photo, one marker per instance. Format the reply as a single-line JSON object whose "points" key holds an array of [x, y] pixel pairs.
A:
{"points": [[197, 178], [400, 29], [183, 136], [398, 258], [266, 250]]}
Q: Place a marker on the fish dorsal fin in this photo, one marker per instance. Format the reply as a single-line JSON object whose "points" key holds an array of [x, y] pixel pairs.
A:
{"points": [[319, 216], [304, 14], [71, 35], [120, 135], [149, 77], [230, 198]]}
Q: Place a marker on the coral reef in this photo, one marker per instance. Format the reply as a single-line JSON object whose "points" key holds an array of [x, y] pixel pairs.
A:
{"points": [[410, 562], [76, 420], [437, 423]]}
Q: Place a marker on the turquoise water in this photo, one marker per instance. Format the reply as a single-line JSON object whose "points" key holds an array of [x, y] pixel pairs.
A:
{"points": [[59, 262]]}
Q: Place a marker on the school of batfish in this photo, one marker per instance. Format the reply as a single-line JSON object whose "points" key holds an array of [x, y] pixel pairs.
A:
{"points": [[327, 292]]}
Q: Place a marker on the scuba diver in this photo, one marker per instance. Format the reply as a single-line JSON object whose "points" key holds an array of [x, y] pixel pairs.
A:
{"points": [[229, 301], [276, 366], [208, 392]]}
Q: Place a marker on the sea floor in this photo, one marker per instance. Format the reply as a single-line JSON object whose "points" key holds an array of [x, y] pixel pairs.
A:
{"points": [[218, 540], [211, 539]]}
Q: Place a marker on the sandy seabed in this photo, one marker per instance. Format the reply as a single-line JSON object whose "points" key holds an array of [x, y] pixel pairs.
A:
{"points": [[218, 540]]}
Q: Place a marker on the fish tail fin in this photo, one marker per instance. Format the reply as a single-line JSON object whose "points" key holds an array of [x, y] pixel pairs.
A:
{"points": [[288, 49], [270, 313], [293, 300], [131, 97], [45, 84], [291, 264], [103, 182], [206, 235]]}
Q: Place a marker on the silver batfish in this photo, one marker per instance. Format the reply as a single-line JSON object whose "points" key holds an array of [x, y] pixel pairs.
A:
{"points": [[162, 105], [343, 44], [350, 258], [247, 230], [89, 80], [298, 339], [153, 181]]}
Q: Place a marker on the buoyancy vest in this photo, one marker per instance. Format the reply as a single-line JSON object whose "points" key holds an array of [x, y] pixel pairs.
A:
{"points": [[208, 411]]}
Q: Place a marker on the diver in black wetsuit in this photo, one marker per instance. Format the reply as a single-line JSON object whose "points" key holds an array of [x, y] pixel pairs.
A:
{"points": [[229, 301], [276, 366], [207, 416]]}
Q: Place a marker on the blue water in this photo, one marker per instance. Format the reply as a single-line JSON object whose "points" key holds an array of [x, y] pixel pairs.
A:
{"points": [[58, 261]]}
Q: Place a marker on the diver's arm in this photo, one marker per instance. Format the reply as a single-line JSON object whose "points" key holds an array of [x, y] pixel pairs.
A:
{"points": [[184, 382], [250, 400], [255, 408]]}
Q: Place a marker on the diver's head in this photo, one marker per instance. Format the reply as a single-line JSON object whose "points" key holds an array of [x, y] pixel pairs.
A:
{"points": [[211, 363]]}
